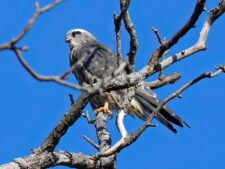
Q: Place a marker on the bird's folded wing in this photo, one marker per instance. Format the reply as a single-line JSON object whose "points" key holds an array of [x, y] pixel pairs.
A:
{"points": [[144, 92]]}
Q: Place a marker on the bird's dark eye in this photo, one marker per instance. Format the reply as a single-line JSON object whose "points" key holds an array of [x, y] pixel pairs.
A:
{"points": [[75, 33]]}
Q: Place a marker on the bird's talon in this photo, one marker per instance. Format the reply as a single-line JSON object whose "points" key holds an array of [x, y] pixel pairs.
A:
{"points": [[104, 109]]}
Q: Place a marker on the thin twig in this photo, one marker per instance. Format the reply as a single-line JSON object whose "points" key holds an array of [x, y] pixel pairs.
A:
{"points": [[30, 23], [57, 79], [157, 35], [171, 79], [71, 99], [68, 119], [124, 4], [180, 33], [117, 23], [91, 142], [161, 73], [133, 41], [87, 116], [202, 76]]}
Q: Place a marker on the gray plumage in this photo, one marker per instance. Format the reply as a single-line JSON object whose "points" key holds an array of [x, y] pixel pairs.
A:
{"points": [[97, 62]]}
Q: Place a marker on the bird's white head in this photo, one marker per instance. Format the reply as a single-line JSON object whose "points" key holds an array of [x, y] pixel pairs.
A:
{"points": [[77, 37]]}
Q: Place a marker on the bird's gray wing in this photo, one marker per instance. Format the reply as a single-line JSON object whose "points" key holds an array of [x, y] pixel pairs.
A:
{"points": [[150, 108], [147, 98], [99, 62]]}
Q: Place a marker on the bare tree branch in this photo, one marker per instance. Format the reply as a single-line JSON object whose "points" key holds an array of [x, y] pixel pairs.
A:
{"points": [[124, 4], [161, 73], [91, 142], [104, 140], [71, 99], [88, 117], [204, 75], [200, 45], [117, 23], [157, 35], [171, 79], [30, 23], [69, 118], [11, 45], [50, 159], [199, 8], [57, 79], [119, 122]]}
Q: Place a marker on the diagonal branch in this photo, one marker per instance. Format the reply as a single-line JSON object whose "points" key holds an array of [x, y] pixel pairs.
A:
{"points": [[30, 23], [199, 8], [124, 5], [200, 45], [69, 118], [171, 79], [202, 76], [133, 38], [157, 35], [57, 79], [91, 142]]}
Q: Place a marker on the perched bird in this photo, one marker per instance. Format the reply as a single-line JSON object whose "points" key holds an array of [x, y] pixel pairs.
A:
{"points": [[96, 61]]}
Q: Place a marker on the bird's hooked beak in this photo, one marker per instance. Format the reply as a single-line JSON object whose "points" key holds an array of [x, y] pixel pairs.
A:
{"points": [[67, 39]]}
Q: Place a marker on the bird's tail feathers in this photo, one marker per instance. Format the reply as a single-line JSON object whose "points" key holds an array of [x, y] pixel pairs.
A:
{"points": [[145, 101]]}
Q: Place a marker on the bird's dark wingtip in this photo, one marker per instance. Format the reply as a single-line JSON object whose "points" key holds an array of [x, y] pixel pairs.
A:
{"points": [[174, 130], [186, 124]]}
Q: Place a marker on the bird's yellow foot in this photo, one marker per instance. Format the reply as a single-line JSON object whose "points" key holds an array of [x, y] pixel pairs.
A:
{"points": [[104, 109]]}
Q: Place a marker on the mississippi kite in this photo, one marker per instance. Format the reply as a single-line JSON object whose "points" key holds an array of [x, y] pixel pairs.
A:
{"points": [[98, 62]]}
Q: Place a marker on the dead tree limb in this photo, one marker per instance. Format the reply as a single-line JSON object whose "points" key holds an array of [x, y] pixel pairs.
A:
{"points": [[68, 119], [50, 159], [57, 79], [104, 140], [200, 45], [199, 8], [124, 5], [91, 142], [38, 12], [171, 79]]}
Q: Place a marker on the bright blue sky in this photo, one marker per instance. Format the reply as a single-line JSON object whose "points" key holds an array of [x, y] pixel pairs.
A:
{"points": [[30, 109]]}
